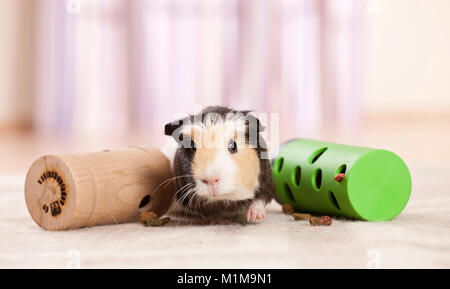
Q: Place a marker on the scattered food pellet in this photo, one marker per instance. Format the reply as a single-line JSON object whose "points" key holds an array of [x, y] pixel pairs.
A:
{"points": [[157, 222], [322, 221], [339, 177], [287, 209], [326, 221], [144, 216], [299, 217], [314, 221]]}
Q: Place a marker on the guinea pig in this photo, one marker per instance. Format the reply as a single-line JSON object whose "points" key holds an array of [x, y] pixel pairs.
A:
{"points": [[219, 160]]}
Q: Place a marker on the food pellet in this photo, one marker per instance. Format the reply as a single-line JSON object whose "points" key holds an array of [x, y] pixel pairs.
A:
{"points": [[314, 221], [299, 217], [144, 216], [339, 177], [157, 222], [287, 209], [326, 221], [322, 221]]}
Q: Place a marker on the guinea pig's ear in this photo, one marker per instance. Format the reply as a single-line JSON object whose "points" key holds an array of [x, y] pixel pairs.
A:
{"points": [[253, 120], [172, 126]]}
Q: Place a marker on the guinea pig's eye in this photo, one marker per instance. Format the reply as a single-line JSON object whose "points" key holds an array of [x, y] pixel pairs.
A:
{"points": [[189, 145], [193, 146], [232, 146]]}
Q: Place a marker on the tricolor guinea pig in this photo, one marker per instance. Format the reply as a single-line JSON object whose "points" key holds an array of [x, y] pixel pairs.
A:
{"points": [[220, 164]]}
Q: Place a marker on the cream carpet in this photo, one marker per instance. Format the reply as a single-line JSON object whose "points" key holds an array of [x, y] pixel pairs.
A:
{"points": [[417, 238]]}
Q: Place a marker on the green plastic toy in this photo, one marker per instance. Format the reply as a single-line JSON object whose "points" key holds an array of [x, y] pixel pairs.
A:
{"points": [[342, 180]]}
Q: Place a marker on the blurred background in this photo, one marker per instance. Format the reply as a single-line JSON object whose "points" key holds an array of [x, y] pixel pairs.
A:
{"points": [[85, 75]]}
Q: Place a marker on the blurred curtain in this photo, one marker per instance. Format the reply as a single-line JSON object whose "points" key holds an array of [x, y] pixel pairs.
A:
{"points": [[106, 67], [341, 61], [16, 69], [82, 71]]}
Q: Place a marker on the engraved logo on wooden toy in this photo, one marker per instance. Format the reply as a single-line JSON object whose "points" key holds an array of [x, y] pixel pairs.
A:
{"points": [[55, 206]]}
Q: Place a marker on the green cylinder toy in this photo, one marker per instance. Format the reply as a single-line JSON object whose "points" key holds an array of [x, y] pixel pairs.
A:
{"points": [[327, 178]]}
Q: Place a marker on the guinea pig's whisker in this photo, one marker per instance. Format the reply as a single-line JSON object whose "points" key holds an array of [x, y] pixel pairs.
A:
{"points": [[174, 206], [189, 193], [191, 200], [177, 203], [186, 192], [169, 180], [174, 178], [183, 189]]}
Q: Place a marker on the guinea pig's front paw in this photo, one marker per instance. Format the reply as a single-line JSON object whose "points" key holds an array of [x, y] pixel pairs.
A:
{"points": [[256, 212]]}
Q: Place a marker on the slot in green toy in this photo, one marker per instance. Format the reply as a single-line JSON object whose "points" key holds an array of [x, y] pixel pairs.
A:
{"points": [[342, 180]]}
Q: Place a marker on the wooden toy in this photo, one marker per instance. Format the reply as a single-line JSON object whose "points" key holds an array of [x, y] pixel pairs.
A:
{"points": [[77, 190]]}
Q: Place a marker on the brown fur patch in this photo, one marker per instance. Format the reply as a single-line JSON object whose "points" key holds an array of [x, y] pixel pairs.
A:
{"points": [[205, 152], [203, 157], [248, 168]]}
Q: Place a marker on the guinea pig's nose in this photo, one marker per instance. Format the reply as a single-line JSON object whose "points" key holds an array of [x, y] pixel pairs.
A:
{"points": [[211, 181]]}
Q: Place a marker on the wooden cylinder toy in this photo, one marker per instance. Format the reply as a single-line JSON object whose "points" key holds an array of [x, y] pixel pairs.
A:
{"points": [[72, 191]]}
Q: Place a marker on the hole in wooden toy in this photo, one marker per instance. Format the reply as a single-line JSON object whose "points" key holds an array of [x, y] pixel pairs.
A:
{"points": [[316, 155], [334, 201], [288, 192], [297, 176], [279, 164], [341, 169], [144, 202], [317, 179]]}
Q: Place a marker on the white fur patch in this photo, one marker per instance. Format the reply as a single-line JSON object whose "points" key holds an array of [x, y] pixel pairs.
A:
{"points": [[222, 168], [169, 151], [234, 128], [257, 211]]}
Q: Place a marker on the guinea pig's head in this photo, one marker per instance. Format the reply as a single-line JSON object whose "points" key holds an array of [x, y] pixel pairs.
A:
{"points": [[218, 155]]}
